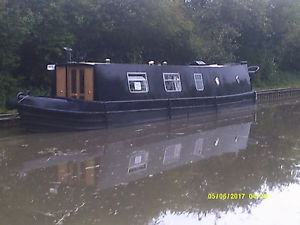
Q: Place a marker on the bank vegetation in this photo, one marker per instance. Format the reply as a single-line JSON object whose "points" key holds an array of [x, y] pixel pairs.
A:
{"points": [[33, 32]]}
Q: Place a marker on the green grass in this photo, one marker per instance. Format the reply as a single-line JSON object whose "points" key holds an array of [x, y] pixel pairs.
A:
{"points": [[4, 110], [280, 80]]}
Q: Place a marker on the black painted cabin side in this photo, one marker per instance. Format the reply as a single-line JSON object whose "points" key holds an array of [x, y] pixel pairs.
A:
{"points": [[108, 87], [111, 82]]}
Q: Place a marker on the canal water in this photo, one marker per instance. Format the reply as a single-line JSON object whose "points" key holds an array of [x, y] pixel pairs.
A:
{"points": [[236, 167]]}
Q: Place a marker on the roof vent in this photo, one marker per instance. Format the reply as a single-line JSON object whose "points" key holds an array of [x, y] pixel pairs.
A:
{"points": [[198, 63], [107, 60], [165, 63], [151, 62]]}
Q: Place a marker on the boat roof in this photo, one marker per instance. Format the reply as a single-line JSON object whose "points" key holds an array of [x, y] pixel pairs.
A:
{"points": [[98, 63]]}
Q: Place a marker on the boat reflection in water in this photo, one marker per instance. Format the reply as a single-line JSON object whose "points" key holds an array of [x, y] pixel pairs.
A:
{"points": [[121, 157]]}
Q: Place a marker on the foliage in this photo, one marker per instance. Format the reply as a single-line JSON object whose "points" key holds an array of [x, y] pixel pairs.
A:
{"points": [[33, 32], [281, 80]]}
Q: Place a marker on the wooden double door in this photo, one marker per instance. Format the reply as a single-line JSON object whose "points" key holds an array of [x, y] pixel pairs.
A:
{"points": [[75, 82]]}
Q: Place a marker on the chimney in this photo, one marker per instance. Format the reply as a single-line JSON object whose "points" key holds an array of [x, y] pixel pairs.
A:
{"points": [[68, 54]]}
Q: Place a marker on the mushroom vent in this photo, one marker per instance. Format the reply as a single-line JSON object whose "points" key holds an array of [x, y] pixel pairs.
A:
{"points": [[198, 63]]}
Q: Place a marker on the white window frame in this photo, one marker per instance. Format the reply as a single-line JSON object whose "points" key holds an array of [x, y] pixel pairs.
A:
{"points": [[199, 74], [173, 81], [137, 73]]}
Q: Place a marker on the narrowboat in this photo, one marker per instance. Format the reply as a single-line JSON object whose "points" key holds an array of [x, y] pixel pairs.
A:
{"points": [[88, 95]]}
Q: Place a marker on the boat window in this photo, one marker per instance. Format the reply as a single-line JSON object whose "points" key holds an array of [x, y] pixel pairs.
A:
{"points": [[74, 81], [237, 79], [81, 81], [217, 80], [138, 161], [172, 154], [137, 82], [198, 149], [199, 81], [172, 82]]}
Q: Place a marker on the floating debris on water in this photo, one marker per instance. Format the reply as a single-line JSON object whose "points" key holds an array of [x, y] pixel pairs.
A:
{"points": [[92, 167]]}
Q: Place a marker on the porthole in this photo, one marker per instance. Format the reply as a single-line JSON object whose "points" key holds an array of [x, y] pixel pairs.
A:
{"points": [[237, 79], [217, 142], [217, 80]]}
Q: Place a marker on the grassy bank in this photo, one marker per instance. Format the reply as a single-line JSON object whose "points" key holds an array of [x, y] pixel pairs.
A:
{"points": [[4, 110], [280, 80]]}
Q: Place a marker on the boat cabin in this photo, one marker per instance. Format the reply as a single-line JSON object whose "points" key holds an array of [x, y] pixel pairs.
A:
{"points": [[127, 82]]}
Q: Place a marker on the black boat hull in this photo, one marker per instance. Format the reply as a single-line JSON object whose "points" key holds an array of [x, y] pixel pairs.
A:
{"points": [[61, 114]]}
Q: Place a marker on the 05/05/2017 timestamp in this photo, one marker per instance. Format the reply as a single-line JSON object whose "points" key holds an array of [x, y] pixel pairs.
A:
{"points": [[236, 196]]}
